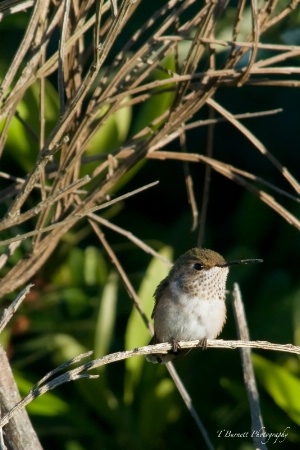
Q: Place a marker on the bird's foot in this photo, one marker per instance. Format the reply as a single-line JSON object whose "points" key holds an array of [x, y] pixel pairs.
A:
{"points": [[175, 345], [202, 343]]}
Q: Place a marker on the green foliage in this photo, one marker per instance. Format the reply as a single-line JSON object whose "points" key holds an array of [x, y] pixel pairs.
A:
{"points": [[113, 132], [159, 102], [281, 385], [47, 405], [106, 316], [21, 144], [79, 302], [140, 391], [136, 333], [110, 135]]}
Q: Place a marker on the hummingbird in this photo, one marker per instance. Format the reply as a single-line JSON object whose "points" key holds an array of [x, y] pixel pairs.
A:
{"points": [[190, 301]]}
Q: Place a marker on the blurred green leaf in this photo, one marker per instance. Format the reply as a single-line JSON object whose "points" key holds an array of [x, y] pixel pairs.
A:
{"points": [[68, 311], [106, 316], [158, 103], [82, 267], [112, 132], [22, 146], [123, 118], [65, 347], [225, 31], [72, 271], [95, 270], [283, 387], [110, 135], [74, 445], [137, 334], [45, 405], [5, 337]]}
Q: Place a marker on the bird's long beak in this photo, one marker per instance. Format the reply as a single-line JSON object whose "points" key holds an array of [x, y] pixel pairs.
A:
{"points": [[240, 261]]}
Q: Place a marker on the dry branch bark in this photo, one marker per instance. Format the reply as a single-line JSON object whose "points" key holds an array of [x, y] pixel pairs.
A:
{"points": [[19, 433], [248, 370], [89, 98], [83, 371], [87, 102]]}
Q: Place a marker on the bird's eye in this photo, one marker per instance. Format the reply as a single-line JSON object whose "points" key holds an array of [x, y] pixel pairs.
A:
{"points": [[198, 266]]}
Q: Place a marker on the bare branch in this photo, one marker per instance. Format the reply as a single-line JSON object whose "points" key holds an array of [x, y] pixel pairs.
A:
{"points": [[61, 57], [189, 183], [74, 218], [231, 173], [9, 312], [131, 291], [248, 371], [40, 9], [19, 433], [81, 372], [146, 248], [178, 383], [6, 223], [36, 391], [257, 144], [9, 7], [189, 404], [8, 252], [96, 82]]}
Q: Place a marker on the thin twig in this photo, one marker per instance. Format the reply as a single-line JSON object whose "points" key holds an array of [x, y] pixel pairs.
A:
{"points": [[8, 252], [74, 218], [40, 389], [207, 181], [293, 182], [231, 173], [255, 38], [30, 182], [39, 7], [194, 157], [114, 7], [13, 6], [248, 371], [9, 312], [189, 404], [146, 248], [185, 127], [62, 367], [132, 293], [6, 223], [61, 56], [123, 275], [285, 12], [189, 183], [27, 126], [99, 12], [19, 180], [238, 19]]}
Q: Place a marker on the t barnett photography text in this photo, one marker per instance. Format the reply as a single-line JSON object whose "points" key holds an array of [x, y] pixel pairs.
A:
{"points": [[262, 434]]}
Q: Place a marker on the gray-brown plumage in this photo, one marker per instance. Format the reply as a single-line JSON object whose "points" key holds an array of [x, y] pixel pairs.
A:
{"points": [[190, 301]]}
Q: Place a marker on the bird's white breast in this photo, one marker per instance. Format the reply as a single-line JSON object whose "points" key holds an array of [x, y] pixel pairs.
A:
{"points": [[182, 316]]}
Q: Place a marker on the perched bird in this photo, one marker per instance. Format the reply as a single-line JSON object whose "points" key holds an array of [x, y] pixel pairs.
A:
{"points": [[190, 301]]}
